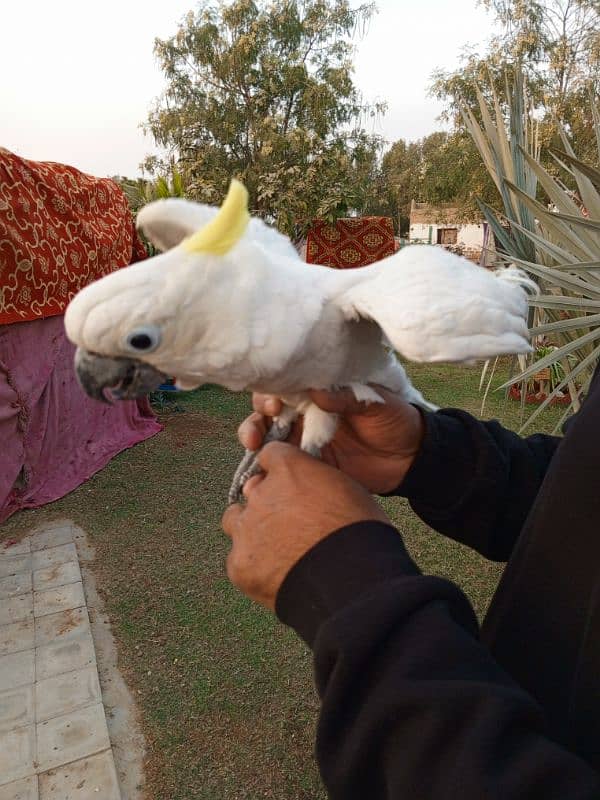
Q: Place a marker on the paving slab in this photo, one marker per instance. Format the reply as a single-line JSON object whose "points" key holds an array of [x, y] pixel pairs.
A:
{"points": [[26, 789], [16, 708], [53, 555], [13, 585], [59, 657], [17, 669], [64, 693], [52, 537], [71, 737], [17, 754], [87, 779], [16, 636], [54, 741], [56, 575], [13, 565], [63, 598], [16, 608], [61, 626], [15, 548]]}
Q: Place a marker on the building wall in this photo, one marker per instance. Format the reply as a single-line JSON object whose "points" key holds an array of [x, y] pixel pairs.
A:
{"points": [[469, 236]]}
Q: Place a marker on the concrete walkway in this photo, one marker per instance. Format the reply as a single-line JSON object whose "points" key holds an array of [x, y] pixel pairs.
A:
{"points": [[54, 742]]}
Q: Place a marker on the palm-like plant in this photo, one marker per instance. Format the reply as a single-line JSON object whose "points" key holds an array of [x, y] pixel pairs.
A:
{"points": [[142, 191], [557, 244]]}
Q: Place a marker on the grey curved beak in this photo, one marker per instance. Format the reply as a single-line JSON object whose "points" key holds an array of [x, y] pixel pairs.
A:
{"points": [[107, 379]]}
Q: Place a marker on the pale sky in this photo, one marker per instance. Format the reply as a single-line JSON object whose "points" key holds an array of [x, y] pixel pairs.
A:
{"points": [[79, 77]]}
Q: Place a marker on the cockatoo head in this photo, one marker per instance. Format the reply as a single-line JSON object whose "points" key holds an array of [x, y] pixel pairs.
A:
{"points": [[124, 325]]}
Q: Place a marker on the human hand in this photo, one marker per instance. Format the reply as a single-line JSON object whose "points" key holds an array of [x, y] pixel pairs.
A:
{"points": [[375, 443], [296, 502]]}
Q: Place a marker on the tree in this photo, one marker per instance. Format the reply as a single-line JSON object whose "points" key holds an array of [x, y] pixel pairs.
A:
{"points": [[559, 41], [399, 178], [264, 92], [442, 168], [140, 191], [454, 173], [556, 45]]}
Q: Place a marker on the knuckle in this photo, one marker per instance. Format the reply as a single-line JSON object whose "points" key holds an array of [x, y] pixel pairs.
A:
{"points": [[232, 566], [240, 573], [258, 402], [243, 426], [251, 486]]}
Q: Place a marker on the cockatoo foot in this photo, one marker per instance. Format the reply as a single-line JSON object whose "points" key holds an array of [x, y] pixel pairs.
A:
{"points": [[249, 466], [318, 429]]}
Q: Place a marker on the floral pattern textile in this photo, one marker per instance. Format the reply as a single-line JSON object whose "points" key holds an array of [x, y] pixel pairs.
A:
{"points": [[350, 242], [60, 229]]}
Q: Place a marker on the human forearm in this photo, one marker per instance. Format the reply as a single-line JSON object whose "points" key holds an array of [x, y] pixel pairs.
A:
{"points": [[476, 481], [412, 704]]}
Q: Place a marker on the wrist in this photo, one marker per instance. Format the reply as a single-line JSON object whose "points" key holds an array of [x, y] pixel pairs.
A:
{"points": [[411, 448], [350, 562]]}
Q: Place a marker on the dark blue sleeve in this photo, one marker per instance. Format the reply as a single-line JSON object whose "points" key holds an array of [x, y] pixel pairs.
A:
{"points": [[476, 481], [413, 706]]}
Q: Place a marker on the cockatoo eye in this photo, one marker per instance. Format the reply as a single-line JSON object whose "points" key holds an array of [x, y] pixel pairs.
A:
{"points": [[143, 340]]}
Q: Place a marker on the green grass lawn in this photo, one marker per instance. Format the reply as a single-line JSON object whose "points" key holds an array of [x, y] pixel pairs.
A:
{"points": [[225, 692]]}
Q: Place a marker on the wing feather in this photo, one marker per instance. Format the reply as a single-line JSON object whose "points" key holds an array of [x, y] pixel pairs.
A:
{"points": [[435, 306]]}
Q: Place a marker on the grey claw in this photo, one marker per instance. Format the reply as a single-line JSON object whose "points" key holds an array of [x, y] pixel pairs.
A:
{"points": [[240, 477], [249, 466]]}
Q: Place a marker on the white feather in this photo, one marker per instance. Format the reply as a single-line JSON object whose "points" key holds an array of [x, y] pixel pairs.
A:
{"points": [[259, 318], [435, 306]]}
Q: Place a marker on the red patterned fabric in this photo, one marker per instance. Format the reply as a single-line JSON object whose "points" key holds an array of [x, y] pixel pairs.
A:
{"points": [[350, 242], [60, 229]]}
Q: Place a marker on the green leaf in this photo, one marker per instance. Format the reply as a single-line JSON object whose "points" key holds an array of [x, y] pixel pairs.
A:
{"points": [[591, 320], [556, 223], [561, 279], [583, 365], [563, 302], [548, 247], [586, 169], [555, 356]]}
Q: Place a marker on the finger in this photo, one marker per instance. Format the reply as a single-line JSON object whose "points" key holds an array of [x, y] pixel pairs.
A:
{"points": [[231, 519], [274, 454], [328, 456], [343, 401], [295, 436], [266, 404], [252, 431], [251, 484]]}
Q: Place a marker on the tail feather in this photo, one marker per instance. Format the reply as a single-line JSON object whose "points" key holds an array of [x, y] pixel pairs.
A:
{"points": [[516, 276]]}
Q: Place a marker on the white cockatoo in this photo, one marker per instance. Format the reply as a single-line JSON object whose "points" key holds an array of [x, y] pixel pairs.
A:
{"points": [[230, 302]]}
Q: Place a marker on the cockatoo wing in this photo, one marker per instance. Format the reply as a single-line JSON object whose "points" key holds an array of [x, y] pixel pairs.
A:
{"points": [[435, 306], [166, 222]]}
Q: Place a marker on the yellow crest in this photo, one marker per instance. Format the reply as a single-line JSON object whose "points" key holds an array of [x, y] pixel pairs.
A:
{"points": [[226, 228]]}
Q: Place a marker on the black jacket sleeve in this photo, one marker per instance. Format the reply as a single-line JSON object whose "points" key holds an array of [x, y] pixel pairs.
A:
{"points": [[476, 481], [413, 706]]}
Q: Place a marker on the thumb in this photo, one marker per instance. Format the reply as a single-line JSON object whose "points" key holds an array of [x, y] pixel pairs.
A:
{"points": [[231, 519], [342, 401], [274, 454], [339, 402]]}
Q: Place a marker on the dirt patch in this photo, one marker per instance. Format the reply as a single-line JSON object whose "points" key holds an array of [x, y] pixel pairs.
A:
{"points": [[190, 428], [72, 619]]}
